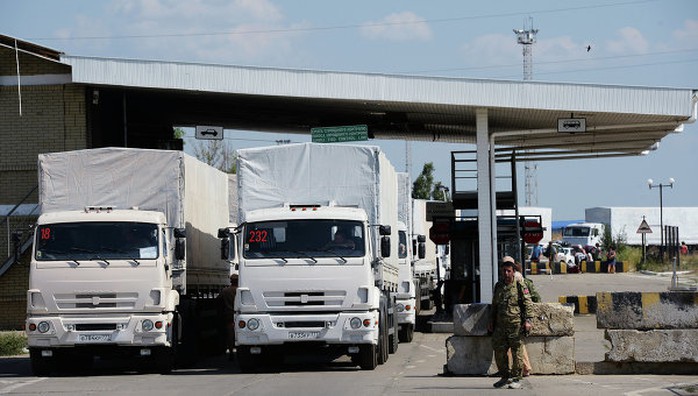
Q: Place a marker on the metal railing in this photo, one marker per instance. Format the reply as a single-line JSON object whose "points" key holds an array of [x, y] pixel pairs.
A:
{"points": [[17, 227]]}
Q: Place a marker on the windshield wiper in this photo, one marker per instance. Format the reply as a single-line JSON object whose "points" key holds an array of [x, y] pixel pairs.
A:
{"points": [[110, 249], [96, 255], [306, 255]]}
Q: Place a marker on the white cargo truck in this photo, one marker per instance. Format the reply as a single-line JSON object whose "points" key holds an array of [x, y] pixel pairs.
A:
{"points": [[583, 234], [406, 303], [431, 264], [125, 259], [625, 221], [318, 268]]}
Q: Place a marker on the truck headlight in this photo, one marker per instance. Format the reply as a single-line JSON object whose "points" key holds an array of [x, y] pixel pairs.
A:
{"points": [[253, 324], [400, 307], [43, 327], [147, 325], [355, 323]]}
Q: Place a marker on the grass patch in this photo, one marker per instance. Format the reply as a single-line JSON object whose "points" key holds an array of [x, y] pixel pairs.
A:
{"points": [[633, 255], [12, 343]]}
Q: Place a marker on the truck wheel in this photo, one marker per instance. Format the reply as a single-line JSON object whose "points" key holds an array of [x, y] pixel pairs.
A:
{"points": [[368, 357], [41, 367], [383, 334], [407, 333], [394, 339]]}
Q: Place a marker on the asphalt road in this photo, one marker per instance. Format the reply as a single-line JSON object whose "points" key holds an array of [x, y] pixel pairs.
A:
{"points": [[416, 368]]}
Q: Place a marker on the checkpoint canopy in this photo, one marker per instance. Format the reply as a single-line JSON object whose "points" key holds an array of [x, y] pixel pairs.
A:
{"points": [[544, 120]]}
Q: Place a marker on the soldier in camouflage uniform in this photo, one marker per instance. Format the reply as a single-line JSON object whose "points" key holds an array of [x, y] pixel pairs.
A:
{"points": [[511, 303]]}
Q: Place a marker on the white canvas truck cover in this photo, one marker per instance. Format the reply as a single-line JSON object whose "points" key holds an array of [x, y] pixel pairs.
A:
{"points": [[310, 173], [190, 193], [404, 187]]}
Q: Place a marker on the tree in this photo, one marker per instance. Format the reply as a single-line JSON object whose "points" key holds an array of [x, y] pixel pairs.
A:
{"points": [[439, 192], [216, 153], [422, 186]]}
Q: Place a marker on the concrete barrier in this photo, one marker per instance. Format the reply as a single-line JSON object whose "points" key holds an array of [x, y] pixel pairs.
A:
{"points": [[582, 304], [646, 311], [654, 346], [474, 356], [561, 268], [550, 344], [650, 328]]}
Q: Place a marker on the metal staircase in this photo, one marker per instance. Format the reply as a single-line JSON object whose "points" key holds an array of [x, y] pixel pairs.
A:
{"points": [[16, 228]]}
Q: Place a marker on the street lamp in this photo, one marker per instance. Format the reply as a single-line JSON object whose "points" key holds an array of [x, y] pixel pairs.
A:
{"points": [[661, 186]]}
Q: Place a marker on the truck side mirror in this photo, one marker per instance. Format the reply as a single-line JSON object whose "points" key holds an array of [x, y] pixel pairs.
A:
{"points": [[223, 233], [385, 246], [180, 249], [422, 251], [180, 232], [384, 230], [225, 248], [421, 238]]}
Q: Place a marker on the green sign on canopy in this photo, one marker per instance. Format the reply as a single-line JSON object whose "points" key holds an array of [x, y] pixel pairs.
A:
{"points": [[336, 134]]}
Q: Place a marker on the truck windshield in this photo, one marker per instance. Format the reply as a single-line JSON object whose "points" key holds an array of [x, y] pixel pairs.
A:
{"points": [[304, 239], [96, 241], [402, 247], [576, 232]]}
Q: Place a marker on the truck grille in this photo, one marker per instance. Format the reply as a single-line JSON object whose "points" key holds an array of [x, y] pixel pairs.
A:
{"points": [[91, 301], [328, 298], [299, 325], [95, 326]]}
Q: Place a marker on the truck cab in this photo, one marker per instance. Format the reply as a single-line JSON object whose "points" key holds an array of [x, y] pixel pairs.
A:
{"points": [[102, 278], [312, 275], [406, 313], [583, 234]]}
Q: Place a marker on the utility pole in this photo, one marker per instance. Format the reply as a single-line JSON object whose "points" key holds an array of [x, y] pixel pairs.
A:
{"points": [[526, 37]]}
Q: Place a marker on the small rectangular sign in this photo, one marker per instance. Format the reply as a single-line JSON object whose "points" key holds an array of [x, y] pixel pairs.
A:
{"points": [[571, 125], [349, 133], [207, 132], [437, 210]]}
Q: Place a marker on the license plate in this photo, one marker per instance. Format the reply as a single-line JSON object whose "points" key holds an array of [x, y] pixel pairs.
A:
{"points": [[94, 338], [303, 335]]}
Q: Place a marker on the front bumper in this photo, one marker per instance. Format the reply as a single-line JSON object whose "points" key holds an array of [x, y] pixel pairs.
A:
{"points": [[113, 330], [406, 313], [328, 328]]}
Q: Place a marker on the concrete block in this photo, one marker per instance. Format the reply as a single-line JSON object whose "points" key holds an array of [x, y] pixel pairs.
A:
{"points": [[551, 355], [664, 345], [471, 319], [646, 311], [474, 355], [582, 304], [552, 319], [470, 356]]}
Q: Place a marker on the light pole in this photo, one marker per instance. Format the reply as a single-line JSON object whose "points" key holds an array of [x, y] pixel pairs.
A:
{"points": [[661, 186]]}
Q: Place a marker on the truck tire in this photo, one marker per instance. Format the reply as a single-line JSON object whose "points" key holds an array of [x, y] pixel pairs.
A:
{"points": [[394, 339], [407, 333], [368, 357], [383, 332]]}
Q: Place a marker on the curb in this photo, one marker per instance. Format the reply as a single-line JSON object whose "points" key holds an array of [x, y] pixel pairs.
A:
{"points": [[615, 368]]}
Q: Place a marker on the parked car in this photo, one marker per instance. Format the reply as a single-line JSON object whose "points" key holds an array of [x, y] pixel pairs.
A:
{"points": [[565, 254]]}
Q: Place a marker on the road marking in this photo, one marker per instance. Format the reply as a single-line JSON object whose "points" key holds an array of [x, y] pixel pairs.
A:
{"points": [[18, 385], [430, 348]]}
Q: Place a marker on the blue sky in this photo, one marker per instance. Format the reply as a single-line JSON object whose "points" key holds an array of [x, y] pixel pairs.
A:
{"points": [[642, 42]]}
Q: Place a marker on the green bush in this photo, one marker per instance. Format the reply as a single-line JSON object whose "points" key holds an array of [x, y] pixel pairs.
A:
{"points": [[12, 343]]}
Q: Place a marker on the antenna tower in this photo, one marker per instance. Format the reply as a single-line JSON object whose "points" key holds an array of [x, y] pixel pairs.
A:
{"points": [[526, 37]]}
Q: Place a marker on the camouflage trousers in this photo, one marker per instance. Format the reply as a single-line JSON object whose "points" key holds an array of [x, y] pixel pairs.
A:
{"points": [[507, 337]]}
